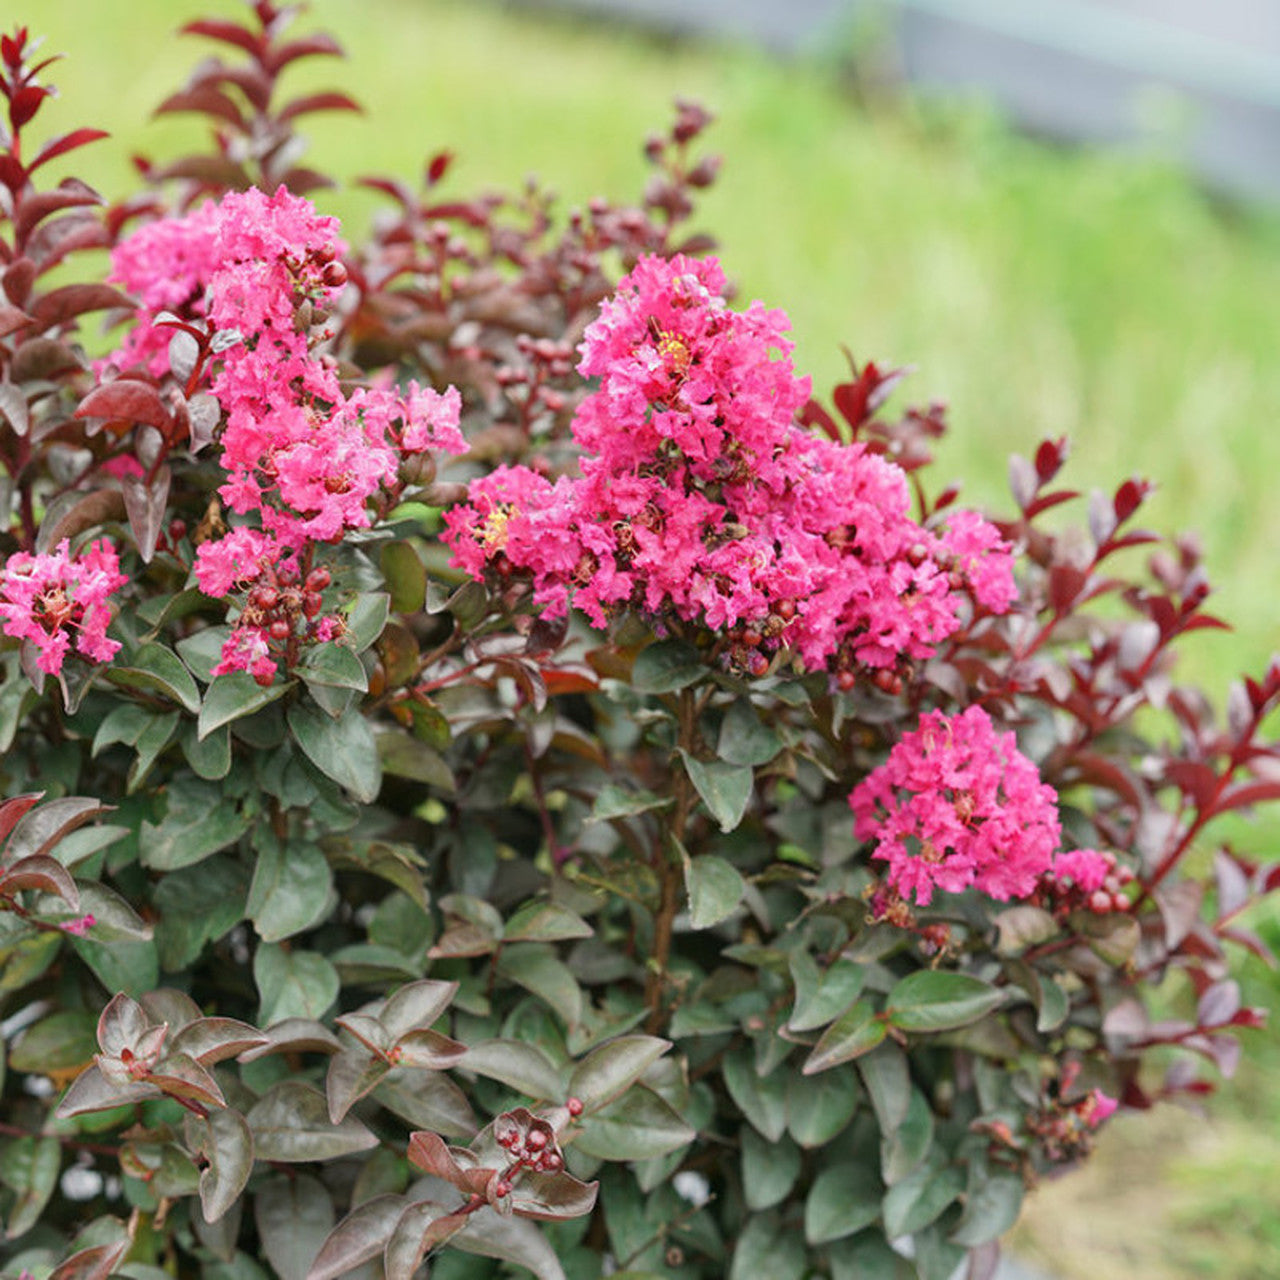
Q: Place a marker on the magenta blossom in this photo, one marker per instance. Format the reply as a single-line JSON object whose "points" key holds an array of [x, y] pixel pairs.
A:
{"points": [[957, 805], [702, 500], [56, 600]]}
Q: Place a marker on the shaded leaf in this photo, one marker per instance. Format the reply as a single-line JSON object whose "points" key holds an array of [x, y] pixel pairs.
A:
{"points": [[936, 1000], [611, 1068], [725, 788], [715, 889], [294, 1216], [291, 1123]]}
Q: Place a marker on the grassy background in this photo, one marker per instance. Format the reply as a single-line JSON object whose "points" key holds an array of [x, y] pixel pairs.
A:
{"points": [[1039, 291]]}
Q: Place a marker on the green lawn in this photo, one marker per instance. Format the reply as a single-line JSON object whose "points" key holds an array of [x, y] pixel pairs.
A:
{"points": [[1039, 291]]}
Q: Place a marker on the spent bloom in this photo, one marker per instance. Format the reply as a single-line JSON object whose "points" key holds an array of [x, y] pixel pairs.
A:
{"points": [[701, 500], [957, 805], [58, 600]]}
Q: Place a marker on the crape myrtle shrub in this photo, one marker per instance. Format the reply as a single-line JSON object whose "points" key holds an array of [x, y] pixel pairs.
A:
{"points": [[504, 780]]}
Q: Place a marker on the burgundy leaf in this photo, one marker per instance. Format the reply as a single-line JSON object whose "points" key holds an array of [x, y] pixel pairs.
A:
{"points": [[127, 400], [43, 873], [1245, 794], [19, 276], [146, 507], [310, 46], [11, 811], [12, 319], [1129, 497], [1219, 1004], [1049, 458], [40, 205], [60, 305], [328, 101], [67, 142], [1046, 501], [209, 100], [228, 32]]}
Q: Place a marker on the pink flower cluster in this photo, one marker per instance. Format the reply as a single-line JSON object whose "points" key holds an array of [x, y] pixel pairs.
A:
{"points": [[55, 598], [700, 499], [957, 805], [305, 459]]}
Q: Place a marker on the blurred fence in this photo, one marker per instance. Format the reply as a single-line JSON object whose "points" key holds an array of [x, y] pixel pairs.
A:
{"points": [[1198, 81]]}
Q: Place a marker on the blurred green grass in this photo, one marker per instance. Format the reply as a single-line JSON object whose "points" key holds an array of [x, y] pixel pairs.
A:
{"points": [[1039, 290]]}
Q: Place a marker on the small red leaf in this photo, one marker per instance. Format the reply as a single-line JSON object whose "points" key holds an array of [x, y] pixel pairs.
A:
{"points": [[11, 811], [437, 166], [25, 103], [1049, 458], [67, 142], [207, 99], [1129, 497], [228, 32], [328, 101], [311, 46]]}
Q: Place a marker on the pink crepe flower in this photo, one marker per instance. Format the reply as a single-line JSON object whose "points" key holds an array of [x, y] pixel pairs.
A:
{"points": [[956, 805], [700, 498], [55, 600]]}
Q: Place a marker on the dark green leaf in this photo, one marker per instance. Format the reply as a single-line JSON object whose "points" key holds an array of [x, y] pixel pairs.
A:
{"points": [[223, 1138], [344, 750], [512, 1240], [359, 1237], [1055, 1005], [293, 984], [614, 801], [904, 1150], [293, 1216], [291, 888], [868, 1257], [428, 1100], [991, 1206], [667, 666], [61, 1041], [769, 1169], [535, 967], [352, 1074], [367, 617], [937, 1000], [232, 697], [857, 1032], [829, 997], [920, 1198], [158, 669], [198, 821], [843, 1199], [725, 788], [523, 1067], [744, 739], [819, 1109], [406, 576], [611, 1068], [888, 1081], [715, 889], [766, 1248], [762, 1100], [334, 666], [542, 921], [405, 756], [637, 1126], [210, 757], [31, 1168]]}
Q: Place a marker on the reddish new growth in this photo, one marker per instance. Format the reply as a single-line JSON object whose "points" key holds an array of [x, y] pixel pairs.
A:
{"points": [[306, 461], [701, 501], [55, 600]]}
